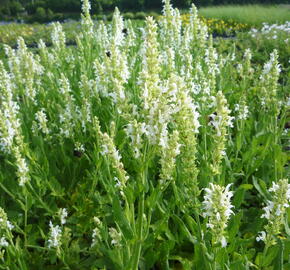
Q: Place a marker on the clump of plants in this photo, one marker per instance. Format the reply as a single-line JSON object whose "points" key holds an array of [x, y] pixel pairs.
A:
{"points": [[141, 148], [219, 27]]}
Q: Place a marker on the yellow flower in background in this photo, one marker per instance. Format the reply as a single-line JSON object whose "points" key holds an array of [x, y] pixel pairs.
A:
{"points": [[219, 26]]}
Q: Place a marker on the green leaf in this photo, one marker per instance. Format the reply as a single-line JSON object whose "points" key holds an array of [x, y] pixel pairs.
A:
{"points": [[262, 188], [202, 257], [278, 265], [287, 229], [238, 197], [240, 194], [193, 225], [246, 186], [270, 256], [234, 225], [121, 220], [55, 187], [184, 229]]}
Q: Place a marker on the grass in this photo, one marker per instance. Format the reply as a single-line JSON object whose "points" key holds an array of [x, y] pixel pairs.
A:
{"points": [[253, 15]]}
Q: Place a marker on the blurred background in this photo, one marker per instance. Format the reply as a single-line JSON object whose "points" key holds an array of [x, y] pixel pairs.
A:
{"points": [[50, 10]]}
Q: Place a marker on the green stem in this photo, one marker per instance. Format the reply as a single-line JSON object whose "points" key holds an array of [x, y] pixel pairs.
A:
{"points": [[275, 142], [8, 192], [25, 222], [138, 245], [215, 255], [265, 253], [17, 252], [39, 199]]}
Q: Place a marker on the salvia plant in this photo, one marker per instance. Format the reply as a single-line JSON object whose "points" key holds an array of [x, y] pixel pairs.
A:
{"points": [[142, 147]]}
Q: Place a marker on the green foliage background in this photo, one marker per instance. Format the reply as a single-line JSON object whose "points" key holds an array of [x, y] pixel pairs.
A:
{"points": [[13, 8]]}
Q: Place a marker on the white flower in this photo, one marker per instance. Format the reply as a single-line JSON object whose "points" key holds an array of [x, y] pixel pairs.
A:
{"points": [[276, 206], [79, 147], [274, 188], [268, 209], [22, 168], [208, 225], [223, 242], [116, 155], [275, 210], [278, 210], [86, 6], [42, 121], [243, 111], [261, 237], [95, 235], [57, 35], [3, 242], [118, 183], [218, 208], [105, 149], [55, 235], [223, 153], [115, 236], [215, 122], [63, 215], [9, 225]]}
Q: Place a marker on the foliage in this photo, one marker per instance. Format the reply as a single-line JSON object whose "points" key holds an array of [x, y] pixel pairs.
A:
{"points": [[16, 9], [11, 8], [219, 27], [262, 42], [253, 15], [32, 33], [142, 147]]}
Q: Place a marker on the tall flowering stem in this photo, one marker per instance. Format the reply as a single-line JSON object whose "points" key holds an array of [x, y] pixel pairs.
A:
{"points": [[187, 124], [218, 209], [171, 26], [135, 131], [9, 121], [67, 113], [25, 70], [275, 212], [168, 158], [151, 65], [211, 58], [111, 75], [58, 38], [268, 83], [11, 138], [108, 149], [87, 22], [5, 229], [156, 94], [220, 120]]}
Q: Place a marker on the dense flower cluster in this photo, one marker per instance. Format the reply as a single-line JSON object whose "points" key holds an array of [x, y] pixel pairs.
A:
{"points": [[6, 237], [219, 26], [220, 120], [275, 211], [272, 31], [54, 236], [218, 208]]}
